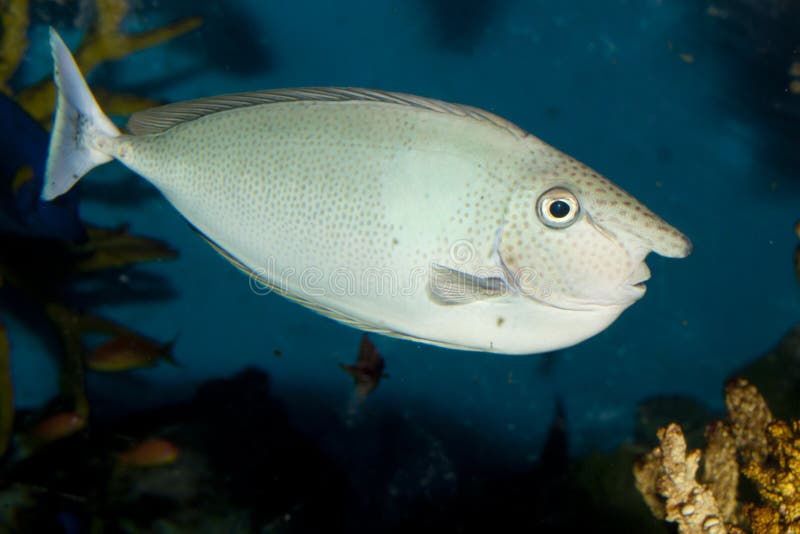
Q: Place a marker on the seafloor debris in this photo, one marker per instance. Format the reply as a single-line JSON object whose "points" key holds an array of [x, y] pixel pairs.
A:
{"points": [[768, 456]]}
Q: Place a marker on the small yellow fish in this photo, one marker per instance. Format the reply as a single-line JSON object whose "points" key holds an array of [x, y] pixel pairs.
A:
{"points": [[124, 353], [368, 369], [58, 426], [151, 452]]}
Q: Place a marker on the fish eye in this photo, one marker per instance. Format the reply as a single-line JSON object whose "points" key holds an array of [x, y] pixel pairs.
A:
{"points": [[558, 208]]}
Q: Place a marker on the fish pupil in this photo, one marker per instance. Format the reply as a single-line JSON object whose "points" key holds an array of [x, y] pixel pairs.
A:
{"points": [[559, 209]]}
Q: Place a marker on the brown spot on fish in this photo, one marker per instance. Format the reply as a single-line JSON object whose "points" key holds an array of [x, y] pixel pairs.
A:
{"points": [[500, 321]]}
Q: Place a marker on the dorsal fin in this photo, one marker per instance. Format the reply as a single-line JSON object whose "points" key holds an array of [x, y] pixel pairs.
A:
{"points": [[162, 118]]}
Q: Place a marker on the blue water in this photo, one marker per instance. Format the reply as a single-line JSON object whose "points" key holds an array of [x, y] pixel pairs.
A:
{"points": [[602, 81]]}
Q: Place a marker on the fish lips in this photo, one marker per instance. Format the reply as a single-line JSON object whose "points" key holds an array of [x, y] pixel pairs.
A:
{"points": [[637, 280]]}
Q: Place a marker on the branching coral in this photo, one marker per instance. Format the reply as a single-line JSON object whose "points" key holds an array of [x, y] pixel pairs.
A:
{"points": [[769, 451], [749, 416], [720, 468], [667, 471]]}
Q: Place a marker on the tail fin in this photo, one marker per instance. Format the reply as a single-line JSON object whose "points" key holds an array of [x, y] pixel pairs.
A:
{"points": [[79, 123]]}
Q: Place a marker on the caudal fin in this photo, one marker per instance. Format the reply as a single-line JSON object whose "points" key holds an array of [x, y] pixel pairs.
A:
{"points": [[78, 125]]}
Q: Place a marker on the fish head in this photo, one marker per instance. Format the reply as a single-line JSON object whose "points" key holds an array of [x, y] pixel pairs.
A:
{"points": [[573, 240]]}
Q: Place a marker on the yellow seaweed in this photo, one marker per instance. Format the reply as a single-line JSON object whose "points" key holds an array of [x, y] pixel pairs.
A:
{"points": [[73, 373], [103, 42], [105, 248], [14, 19]]}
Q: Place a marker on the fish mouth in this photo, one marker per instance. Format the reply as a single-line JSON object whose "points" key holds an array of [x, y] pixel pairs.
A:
{"points": [[638, 277]]}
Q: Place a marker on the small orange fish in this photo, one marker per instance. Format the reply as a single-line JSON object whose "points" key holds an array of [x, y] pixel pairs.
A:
{"points": [[124, 353], [368, 369], [57, 426], [151, 452]]}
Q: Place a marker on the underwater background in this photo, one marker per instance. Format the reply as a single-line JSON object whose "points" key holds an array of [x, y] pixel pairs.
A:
{"points": [[692, 107]]}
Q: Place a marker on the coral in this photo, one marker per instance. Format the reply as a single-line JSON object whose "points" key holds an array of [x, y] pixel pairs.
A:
{"points": [[668, 471], [778, 481], [720, 468], [646, 471], [749, 415], [768, 456]]}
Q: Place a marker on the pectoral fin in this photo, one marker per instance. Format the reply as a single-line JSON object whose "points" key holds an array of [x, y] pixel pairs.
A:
{"points": [[452, 287]]}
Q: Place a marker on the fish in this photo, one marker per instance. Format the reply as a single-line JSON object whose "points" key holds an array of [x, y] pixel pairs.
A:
{"points": [[368, 369], [152, 452], [392, 213], [57, 426], [126, 352]]}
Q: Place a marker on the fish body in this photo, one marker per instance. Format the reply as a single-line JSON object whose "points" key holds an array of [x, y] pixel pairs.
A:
{"points": [[124, 353], [152, 452], [57, 426], [368, 369], [389, 212]]}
